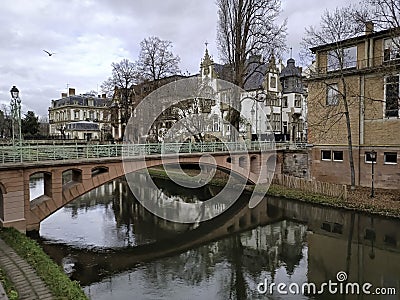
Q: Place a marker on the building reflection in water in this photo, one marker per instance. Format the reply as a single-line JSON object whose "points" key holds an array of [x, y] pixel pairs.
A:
{"points": [[279, 240]]}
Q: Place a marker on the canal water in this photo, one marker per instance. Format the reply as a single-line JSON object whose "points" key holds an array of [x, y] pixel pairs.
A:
{"points": [[117, 250]]}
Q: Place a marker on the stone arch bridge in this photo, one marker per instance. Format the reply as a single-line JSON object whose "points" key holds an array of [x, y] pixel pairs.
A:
{"points": [[90, 169]]}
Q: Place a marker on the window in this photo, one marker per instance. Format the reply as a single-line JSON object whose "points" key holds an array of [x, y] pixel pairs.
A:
{"points": [[338, 155], [272, 83], [297, 101], [391, 49], [340, 59], [392, 96], [284, 101], [76, 114], [390, 158], [276, 122], [326, 154], [272, 100], [215, 124], [368, 158], [332, 94]]}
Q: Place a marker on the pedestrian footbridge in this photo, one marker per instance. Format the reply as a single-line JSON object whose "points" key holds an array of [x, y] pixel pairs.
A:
{"points": [[90, 166]]}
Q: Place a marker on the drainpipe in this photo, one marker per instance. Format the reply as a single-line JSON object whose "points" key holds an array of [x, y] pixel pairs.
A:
{"points": [[361, 125]]}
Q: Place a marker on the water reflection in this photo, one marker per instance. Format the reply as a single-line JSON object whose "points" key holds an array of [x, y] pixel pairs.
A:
{"points": [[118, 250]]}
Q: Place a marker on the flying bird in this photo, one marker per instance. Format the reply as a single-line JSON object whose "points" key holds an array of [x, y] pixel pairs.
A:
{"points": [[49, 53]]}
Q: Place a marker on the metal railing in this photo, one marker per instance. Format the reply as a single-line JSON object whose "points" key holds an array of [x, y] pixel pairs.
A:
{"points": [[36, 153]]}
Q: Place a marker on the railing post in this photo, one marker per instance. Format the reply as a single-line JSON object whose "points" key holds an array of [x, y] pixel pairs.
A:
{"points": [[54, 151]]}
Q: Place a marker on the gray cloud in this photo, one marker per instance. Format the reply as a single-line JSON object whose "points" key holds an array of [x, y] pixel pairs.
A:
{"points": [[89, 35]]}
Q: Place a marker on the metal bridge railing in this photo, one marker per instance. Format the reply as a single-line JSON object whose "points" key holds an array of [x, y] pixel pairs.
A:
{"points": [[36, 153]]}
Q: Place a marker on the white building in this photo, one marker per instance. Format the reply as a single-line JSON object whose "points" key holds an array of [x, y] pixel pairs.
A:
{"points": [[274, 101]]}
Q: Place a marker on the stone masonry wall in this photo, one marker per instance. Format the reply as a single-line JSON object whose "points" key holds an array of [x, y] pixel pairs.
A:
{"points": [[295, 163]]}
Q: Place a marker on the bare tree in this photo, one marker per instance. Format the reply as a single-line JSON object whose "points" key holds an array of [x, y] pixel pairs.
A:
{"points": [[384, 14], [247, 28], [124, 76], [156, 60], [335, 27], [5, 122]]}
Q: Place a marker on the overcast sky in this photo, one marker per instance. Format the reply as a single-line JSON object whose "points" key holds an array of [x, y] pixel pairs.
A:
{"points": [[88, 35]]}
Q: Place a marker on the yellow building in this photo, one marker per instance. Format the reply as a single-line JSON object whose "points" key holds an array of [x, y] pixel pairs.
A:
{"points": [[365, 71]]}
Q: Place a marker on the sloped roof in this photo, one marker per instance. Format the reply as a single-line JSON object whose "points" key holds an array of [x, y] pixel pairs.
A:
{"points": [[80, 100], [290, 70], [257, 73]]}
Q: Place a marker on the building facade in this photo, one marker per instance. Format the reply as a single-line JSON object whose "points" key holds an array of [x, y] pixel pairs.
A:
{"points": [[273, 101], [83, 117], [364, 71]]}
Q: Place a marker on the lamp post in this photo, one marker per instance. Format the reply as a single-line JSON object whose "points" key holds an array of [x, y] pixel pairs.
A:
{"points": [[372, 154], [16, 115]]}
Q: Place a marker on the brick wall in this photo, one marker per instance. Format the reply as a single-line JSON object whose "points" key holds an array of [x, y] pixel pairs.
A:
{"points": [[386, 175]]}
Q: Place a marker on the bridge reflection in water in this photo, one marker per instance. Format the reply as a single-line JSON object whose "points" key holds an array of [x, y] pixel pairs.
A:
{"points": [[134, 252]]}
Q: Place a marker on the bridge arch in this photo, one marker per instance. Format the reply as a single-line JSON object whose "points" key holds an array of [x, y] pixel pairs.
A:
{"points": [[93, 174], [242, 161], [72, 175], [47, 181], [254, 164], [99, 170], [235, 171]]}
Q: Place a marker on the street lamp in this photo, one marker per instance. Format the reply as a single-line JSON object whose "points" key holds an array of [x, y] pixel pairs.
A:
{"points": [[372, 155], [16, 115]]}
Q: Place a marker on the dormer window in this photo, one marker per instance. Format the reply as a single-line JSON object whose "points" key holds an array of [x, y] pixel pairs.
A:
{"points": [[272, 82]]}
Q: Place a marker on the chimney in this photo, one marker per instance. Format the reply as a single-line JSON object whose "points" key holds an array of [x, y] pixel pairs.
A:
{"points": [[369, 27], [63, 95], [71, 92]]}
